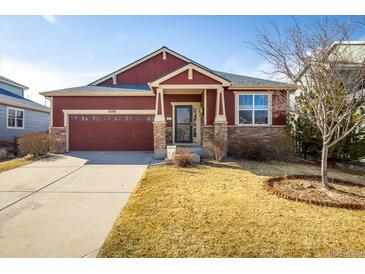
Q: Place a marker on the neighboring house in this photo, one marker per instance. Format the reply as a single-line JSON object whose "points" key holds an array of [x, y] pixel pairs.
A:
{"points": [[165, 99], [353, 53], [18, 115]]}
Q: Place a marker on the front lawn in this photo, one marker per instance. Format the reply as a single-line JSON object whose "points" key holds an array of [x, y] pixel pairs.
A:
{"points": [[17, 162], [222, 210]]}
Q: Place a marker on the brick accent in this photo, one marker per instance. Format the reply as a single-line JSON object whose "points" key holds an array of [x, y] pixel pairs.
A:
{"points": [[57, 139], [267, 135], [159, 139]]}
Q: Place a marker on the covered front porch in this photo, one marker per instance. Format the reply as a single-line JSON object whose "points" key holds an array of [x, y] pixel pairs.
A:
{"points": [[189, 109], [188, 117]]}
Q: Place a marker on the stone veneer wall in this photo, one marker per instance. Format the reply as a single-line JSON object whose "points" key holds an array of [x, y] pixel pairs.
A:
{"points": [[221, 132], [159, 139], [207, 135], [266, 135], [57, 139]]}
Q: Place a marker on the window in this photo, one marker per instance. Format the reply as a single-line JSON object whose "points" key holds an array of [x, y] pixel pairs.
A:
{"points": [[15, 118], [253, 109]]}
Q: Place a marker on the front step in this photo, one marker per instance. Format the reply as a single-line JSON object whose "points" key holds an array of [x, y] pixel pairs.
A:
{"points": [[193, 148]]}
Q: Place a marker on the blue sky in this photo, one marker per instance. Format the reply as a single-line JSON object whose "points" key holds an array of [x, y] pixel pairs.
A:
{"points": [[51, 52]]}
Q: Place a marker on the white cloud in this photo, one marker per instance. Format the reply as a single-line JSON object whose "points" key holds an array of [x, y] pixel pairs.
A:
{"points": [[50, 18], [41, 77]]}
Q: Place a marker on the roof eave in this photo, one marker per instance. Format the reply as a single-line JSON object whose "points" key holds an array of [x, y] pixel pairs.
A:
{"points": [[157, 82], [14, 84], [98, 93], [264, 87], [25, 106]]}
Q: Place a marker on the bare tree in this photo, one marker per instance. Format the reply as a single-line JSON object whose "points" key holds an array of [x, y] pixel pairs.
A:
{"points": [[328, 70]]}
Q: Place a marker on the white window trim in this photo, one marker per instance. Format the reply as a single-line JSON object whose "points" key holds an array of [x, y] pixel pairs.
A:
{"points": [[236, 112], [7, 117]]}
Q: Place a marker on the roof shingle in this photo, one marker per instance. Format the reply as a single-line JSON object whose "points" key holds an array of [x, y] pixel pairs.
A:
{"points": [[241, 80], [7, 97], [11, 82]]}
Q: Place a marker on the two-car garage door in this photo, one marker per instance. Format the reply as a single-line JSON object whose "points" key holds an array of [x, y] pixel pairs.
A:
{"points": [[111, 132]]}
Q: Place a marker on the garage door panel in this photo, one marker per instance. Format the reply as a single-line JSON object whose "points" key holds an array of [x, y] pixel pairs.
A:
{"points": [[111, 132]]}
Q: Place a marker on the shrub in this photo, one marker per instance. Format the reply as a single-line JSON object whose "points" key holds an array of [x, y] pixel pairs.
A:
{"points": [[36, 144], [308, 141], [283, 148], [3, 154], [218, 149], [250, 150], [183, 157]]}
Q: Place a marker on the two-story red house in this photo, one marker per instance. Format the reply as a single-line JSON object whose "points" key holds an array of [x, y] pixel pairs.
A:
{"points": [[165, 98]]}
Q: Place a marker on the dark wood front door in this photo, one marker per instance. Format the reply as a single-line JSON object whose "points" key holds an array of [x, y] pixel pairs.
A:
{"points": [[183, 124]]}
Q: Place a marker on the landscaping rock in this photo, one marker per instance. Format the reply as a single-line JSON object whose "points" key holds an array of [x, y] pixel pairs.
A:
{"points": [[307, 185], [195, 158]]}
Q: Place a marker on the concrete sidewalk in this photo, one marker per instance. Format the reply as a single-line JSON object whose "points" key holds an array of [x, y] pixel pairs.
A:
{"points": [[66, 205]]}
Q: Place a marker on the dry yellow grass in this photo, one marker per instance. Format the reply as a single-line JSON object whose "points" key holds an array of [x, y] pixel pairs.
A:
{"points": [[223, 211], [17, 162]]}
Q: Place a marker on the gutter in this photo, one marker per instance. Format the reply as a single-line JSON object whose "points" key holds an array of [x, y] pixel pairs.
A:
{"points": [[25, 106], [275, 87], [99, 93]]}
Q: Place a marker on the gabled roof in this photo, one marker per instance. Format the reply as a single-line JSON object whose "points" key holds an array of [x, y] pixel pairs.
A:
{"points": [[104, 90], [227, 79], [135, 63], [196, 67], [11, 82], [11, 99]]}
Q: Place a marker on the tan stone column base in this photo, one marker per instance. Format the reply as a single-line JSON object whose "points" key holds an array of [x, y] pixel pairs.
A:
{"points": [[57, 140], [159, 139]]}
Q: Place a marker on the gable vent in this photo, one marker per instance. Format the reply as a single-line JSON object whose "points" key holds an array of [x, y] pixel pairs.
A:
{"points": [[190, 74]]}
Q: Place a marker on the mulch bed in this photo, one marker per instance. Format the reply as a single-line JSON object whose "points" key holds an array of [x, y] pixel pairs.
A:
{"points": [[308, 189]]}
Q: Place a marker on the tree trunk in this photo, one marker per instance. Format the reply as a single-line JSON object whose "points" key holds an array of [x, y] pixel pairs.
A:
{"points": [[324, 167]]}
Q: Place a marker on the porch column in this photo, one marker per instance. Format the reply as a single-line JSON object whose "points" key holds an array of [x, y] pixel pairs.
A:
{"points": [[220, 109], [159, 127], [159, 108], [220, 121]]}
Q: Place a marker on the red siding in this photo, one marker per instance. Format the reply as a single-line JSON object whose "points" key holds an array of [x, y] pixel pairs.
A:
{"points": [[107, 82], [279, 108], [99, 102], [168, 98], [230, 107], [150, 70], [210, 111], [198, 78]]}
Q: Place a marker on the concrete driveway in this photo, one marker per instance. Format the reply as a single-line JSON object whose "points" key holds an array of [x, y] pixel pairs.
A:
{"points": [[66, 205]]}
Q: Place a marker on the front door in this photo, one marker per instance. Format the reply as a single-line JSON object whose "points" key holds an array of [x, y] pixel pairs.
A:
{"points": [[183, 124]]}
